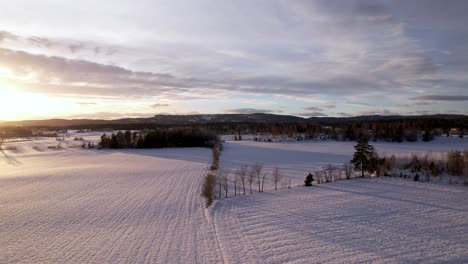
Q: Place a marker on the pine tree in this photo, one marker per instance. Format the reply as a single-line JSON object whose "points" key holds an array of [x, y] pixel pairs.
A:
{"points": [[140, 142], [362, 155], [309, 179], [427, 136], [114, 142]]}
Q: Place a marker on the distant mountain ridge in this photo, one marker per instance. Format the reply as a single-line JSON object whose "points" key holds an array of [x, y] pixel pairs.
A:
{"points": [[215, 118]]}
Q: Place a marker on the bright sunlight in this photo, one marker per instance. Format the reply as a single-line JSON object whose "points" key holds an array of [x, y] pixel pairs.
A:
{"points": [[16, 105]]}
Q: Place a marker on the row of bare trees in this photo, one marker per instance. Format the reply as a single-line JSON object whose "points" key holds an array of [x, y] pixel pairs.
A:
{"points": [[330, 173], [246, 179], [209, 183]]}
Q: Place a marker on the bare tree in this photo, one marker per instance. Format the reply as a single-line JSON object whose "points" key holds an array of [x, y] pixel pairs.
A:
{"points": [[219, 182], [235, 183], [329, 172], [243, 171], [320, 175], [465, 170], [276, 177], [264, 179], [225, 179], [257, 169], [455, 164], [348, 169], [251, 178], [209, 186]]}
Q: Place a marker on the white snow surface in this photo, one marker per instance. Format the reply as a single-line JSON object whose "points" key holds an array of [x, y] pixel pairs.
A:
{"points": [[88, 206], [297, 159], [144, 206]]}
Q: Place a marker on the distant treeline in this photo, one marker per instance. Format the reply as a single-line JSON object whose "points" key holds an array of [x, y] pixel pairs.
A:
{"points": [[11, 132], [168, 138], [393, 130], [397, 129]]}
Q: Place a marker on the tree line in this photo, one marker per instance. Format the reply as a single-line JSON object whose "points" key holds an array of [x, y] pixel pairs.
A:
{"points": [[167, 138], [366, 160], [397, 130], [220, 183]]}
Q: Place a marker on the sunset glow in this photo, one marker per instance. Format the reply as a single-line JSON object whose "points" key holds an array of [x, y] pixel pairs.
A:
{"points": [[20, 105], [303, 58]]}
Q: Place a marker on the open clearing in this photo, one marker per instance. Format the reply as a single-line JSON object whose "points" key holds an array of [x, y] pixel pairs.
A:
{"points": [[143, 206]]}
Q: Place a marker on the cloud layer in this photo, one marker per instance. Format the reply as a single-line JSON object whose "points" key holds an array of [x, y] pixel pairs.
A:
{"points": [[319, 58]]}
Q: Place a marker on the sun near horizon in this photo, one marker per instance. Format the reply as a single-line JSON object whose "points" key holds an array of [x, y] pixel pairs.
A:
{"points": [[304, 58]]}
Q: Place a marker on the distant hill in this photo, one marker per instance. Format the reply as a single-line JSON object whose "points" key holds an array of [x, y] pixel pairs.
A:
{"points": [[366, 118], [213, 118]]}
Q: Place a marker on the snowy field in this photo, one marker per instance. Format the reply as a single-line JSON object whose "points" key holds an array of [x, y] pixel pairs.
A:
{"points": [[297, 159], [143, 206], [349, 221], [87, 206]]}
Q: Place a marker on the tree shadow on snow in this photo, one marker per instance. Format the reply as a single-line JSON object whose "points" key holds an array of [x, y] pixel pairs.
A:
{"points": [[9, 159]]}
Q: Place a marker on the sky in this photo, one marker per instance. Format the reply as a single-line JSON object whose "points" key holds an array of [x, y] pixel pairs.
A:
{"points": [[138, 58]]}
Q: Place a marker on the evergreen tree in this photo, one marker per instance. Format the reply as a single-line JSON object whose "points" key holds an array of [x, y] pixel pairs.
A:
{"points": [[362, 155], [427, 136], [128, 138], [140, 142], [105, 141], [114, 142], [309, 179]]}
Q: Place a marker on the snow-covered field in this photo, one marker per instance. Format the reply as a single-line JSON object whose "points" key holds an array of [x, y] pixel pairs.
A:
{"points": [[143, 206], [352, 221], [88, 206], [296, 160]]}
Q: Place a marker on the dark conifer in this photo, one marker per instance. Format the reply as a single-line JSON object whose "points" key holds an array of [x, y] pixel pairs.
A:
{"points": [[362, 155]]}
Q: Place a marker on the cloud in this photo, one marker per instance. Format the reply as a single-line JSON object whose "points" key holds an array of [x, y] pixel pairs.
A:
{"points": [[311, 114], [332, 50], [111, 51], [86, 103], [441, 98], [247, 111], [330, 105], [343, 114], [5, 35], [422, 103], [376, 111], [159, 105], [313, 108], [109, 115], [61, 76], [40, 42], [76, 47], [97, 51]]}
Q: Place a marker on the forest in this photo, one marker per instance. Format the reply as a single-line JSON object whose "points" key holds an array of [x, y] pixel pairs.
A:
{"points": [[167, 138]]}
